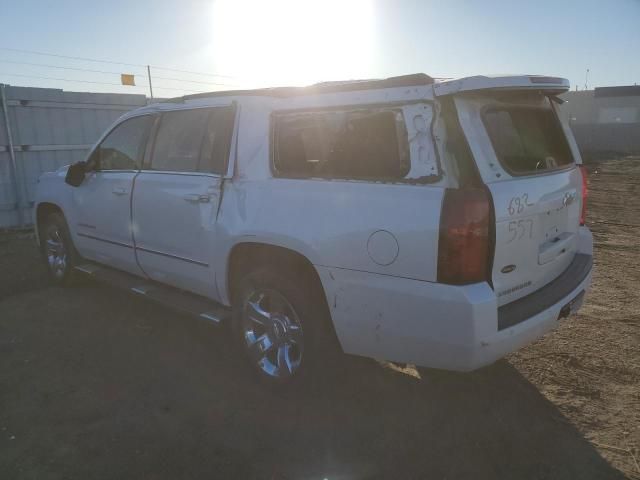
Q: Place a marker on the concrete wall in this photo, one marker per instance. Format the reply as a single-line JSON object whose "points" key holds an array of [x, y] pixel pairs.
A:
{"points": [[605, 121], [49, 128]]}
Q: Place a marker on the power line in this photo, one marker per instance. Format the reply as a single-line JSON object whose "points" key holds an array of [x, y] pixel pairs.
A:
{"points": [[85, 59], [113, 73], [62, 79], [192, 72], [180, 89], [95, 82], [99, 83], [63, 68], [195, 81]]}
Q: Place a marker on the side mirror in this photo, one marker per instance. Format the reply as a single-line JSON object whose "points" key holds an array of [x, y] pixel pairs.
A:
{"points": [[75, 174]]}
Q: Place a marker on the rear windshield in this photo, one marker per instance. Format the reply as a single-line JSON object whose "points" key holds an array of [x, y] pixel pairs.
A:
{"points": [[527, 139]]}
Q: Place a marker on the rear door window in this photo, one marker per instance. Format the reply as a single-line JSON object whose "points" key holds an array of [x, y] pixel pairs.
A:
{"points": [[365, 144], [527, 140], [195, 140]]}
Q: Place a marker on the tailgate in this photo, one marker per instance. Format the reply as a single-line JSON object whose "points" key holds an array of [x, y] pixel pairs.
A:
{"points": [[525, 155]]}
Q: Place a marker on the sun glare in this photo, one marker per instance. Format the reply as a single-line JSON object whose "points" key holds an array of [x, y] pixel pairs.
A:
{"points": [[288, 42]]}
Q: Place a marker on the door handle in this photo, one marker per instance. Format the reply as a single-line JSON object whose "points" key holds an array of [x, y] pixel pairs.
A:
{"points": [[197, 198], [119, 191]]}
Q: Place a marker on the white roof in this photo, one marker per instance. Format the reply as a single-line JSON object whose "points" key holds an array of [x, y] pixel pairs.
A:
{"points": [[510, 82], [395, 89]]}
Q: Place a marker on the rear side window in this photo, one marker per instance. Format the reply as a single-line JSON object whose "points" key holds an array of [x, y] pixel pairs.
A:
{"points": [[365, 144], [193, 140], [122, 147], [527, 139]]}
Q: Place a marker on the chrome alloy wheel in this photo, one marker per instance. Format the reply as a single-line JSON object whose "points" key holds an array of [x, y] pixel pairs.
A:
{"points": [[272, 333], [56, 252]]}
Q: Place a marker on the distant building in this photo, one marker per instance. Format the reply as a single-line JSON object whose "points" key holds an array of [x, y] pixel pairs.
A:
{"points": [[606, 120]]}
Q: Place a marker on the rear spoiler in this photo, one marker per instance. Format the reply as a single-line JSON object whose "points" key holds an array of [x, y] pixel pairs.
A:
{"points": [[548, 85]]}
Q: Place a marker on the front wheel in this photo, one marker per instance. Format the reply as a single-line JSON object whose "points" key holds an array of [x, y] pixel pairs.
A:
{"points": [[280, 328], [57, 249]]}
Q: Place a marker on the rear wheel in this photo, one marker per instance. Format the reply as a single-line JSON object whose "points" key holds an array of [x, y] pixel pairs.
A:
{"points": [[57, 249], [280, 329]]}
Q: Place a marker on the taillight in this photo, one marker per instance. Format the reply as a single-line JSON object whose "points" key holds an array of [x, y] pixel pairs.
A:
{"points": [[585, 192], [464, 243]]}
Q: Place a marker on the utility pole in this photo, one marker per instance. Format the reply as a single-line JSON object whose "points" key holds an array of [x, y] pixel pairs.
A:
{"points": [[149, 77], [586, 80]]}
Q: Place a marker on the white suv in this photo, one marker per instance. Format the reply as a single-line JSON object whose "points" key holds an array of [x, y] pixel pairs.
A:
{"points": [[434, 223]]}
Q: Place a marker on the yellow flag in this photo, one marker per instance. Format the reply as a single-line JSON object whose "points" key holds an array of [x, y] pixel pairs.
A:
{"points": [[127, 79]]}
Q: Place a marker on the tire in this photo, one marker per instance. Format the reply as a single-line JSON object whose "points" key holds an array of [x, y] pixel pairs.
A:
{"points": [[281, 328], [57, 250]]}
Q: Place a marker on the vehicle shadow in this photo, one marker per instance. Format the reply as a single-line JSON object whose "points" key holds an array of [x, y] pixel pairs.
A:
{"points": [[489, 424], [118, 388]]}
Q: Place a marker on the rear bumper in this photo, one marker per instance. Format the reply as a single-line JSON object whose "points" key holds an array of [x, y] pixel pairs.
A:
{"points": [[444, 326], [554, 292], [529, 328]]}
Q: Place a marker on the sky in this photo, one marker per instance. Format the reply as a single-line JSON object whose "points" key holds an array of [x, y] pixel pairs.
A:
{"points": [[205, 45]]}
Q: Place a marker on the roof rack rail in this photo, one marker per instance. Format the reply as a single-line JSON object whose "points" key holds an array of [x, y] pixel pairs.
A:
{"points": [[412, 80]]}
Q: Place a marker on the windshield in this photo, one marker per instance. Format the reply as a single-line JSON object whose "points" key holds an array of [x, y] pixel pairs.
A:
{"points": [[527, 139]]}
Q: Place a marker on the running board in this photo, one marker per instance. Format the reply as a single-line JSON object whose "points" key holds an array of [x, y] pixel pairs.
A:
{"points": [[184, 302]]}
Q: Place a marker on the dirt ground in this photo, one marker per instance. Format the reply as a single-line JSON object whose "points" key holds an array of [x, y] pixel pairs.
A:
{"points": [[95, 383]]}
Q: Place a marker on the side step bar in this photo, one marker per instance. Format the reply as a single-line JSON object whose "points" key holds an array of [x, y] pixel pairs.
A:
{"points": [[179, 300]]}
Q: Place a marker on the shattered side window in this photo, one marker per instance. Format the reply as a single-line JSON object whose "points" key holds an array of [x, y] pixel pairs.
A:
{"points": [[363, 144]]}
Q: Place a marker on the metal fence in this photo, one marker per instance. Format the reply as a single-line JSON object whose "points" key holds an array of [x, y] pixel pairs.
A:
{"points": [[42, 129]]}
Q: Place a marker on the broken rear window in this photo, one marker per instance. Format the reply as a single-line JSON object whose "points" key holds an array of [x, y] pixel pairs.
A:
{"points": [[527, 139], [367, 144]]}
